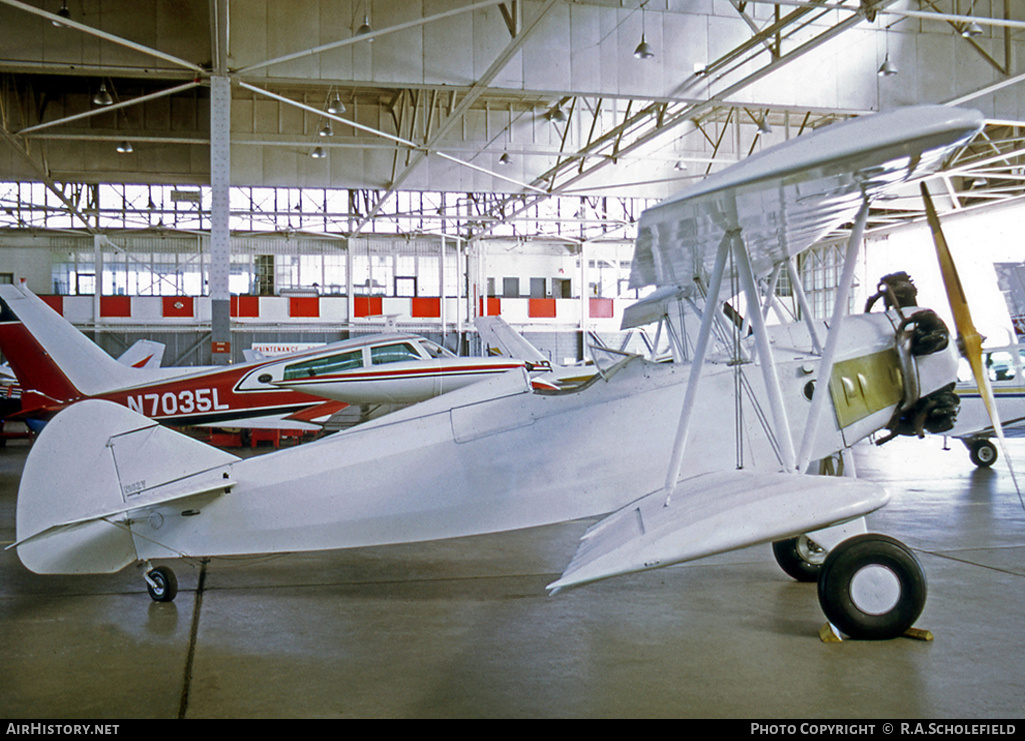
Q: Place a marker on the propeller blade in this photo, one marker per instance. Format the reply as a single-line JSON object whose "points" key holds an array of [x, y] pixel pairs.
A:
{"points": [[968, 337]]}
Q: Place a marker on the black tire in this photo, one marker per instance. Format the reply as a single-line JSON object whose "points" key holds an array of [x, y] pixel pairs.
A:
{"points": [[872, 587], [982, 452], [165, 584], [799, 557]]}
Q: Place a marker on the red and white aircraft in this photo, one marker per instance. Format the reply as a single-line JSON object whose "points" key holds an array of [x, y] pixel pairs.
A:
{"points": [[56, 365], [143, 354]]}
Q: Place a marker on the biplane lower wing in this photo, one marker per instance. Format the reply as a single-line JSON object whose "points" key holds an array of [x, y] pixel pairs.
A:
{"points": [[720, 512]]}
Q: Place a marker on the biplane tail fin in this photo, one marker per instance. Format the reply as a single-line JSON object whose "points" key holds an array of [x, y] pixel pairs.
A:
{"points": [[50, 356], [501, 338], [118, 473]]}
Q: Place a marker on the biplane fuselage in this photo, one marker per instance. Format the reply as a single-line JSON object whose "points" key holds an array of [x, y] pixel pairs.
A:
{"points": [[495, 456]]}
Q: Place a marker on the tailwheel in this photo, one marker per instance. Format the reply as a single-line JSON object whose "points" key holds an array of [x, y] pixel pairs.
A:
{"points": [[982, 452], [162, 584], [872, 587], [800, 557]]}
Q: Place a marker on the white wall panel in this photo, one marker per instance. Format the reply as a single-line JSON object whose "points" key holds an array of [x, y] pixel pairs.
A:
{"points": [[448, 47], [335, 21], [546, 58], [639, 76], [684, 41], [584, 47], [935, 62], [399, 56], [490, 38]]}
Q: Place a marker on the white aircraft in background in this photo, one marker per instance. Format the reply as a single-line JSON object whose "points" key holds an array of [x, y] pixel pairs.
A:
{"points": [[992, 401], [680, 460], [974, 427]]}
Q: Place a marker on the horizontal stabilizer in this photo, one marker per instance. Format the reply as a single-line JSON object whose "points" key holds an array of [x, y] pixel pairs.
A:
{"points": [[715, 513], [650, 309], [496, 333], [75, 516]]}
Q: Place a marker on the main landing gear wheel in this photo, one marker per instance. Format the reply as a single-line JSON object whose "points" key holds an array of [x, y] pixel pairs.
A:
{"points": [[982, 452], [162, 584], [800, 557], [872, 587]]}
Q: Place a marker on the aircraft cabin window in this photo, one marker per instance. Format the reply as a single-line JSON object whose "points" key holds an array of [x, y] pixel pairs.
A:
{"points": [[323, 366], [1000, 366], [393, 354]]}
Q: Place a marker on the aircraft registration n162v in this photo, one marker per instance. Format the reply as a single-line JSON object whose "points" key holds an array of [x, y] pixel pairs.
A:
{"points": [[651, 448]]}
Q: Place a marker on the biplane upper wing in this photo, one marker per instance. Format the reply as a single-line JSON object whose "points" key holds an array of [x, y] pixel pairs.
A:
{"points": [[784, 199]]}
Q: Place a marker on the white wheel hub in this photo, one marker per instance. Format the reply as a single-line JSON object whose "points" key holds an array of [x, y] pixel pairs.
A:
{"points": [[875, 589]]}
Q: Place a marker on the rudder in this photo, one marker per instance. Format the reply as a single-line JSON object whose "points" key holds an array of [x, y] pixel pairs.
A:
{"points": [[76, 518]]}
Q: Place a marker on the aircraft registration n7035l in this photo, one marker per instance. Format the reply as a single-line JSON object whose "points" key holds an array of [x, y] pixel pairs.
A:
{"points": [[57, 365], [651, 447]]}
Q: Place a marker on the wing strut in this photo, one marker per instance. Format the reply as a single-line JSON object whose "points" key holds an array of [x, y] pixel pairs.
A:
{"points": [[802, 303], [765, 359], [832, 339], [701, 345]]}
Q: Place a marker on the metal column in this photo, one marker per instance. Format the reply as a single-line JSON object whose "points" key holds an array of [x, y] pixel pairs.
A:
{"points": [[220, 234]]}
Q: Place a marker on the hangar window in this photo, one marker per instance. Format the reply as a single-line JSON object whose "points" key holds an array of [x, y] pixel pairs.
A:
{"points": [[396, 353], [323, 366]]}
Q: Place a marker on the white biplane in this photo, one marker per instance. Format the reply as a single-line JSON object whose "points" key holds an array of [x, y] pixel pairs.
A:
{"points": [[650, 447]]}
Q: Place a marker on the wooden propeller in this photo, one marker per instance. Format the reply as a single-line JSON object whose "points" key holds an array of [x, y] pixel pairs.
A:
{"points": [[968, 338]]}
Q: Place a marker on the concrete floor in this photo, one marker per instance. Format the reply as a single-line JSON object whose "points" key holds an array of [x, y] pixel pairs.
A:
{"points": [[465, 628]]}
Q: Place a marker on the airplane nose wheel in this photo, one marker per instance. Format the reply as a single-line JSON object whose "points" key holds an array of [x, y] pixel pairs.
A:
{"points": [[982, 453], [872, 587], [162, 584]]}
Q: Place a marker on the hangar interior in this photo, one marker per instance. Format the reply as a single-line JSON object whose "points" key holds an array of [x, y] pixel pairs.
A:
{"points": [[311, 170]]}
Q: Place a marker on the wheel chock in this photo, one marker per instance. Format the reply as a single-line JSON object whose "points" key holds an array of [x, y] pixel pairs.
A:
{"points": [[829, 634], [918, 634]]}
